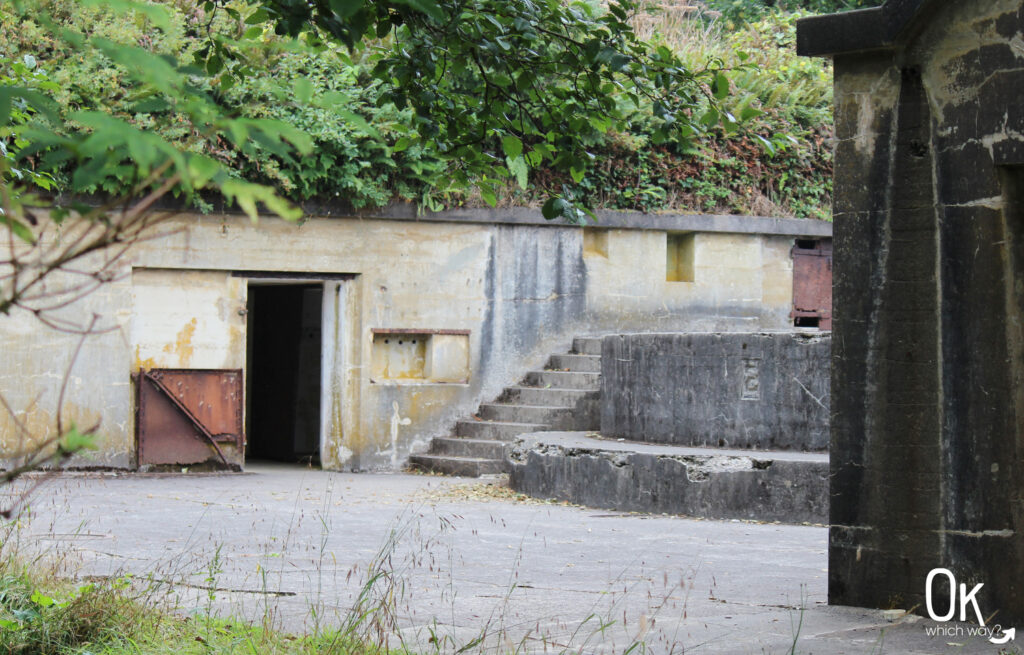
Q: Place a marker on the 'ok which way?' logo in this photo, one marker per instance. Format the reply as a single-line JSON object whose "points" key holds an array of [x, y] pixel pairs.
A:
{"points": [[960, 598]]}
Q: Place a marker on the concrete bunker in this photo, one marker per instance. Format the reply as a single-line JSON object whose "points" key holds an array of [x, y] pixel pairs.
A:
{"points": [[490, 295]]}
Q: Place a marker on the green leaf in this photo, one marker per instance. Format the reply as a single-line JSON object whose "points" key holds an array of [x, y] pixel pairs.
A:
{"points": [[41, 599], [519, 169], [202, 169], [428, 7], [555, 208], [402, 144], [75, 441], [18, 228], [720, 86], [345, 9], [247, 195], [618, 62], [488, 194], [710, 117], [512, 146], [303, 90], [768, 145], [749, 112]]}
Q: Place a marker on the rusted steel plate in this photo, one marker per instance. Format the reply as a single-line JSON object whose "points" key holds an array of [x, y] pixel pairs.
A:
{"points": [[183, 415], [812, 283]]}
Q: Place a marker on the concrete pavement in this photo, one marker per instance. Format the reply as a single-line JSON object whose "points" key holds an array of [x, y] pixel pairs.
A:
{"points": [[293, 546]]}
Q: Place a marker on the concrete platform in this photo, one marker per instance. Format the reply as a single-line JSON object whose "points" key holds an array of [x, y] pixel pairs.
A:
{"points": [[718, 483], [278, 542]]}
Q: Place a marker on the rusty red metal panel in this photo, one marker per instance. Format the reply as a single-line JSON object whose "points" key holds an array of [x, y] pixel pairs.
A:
{"points": [[186, 416], [812, 283]]}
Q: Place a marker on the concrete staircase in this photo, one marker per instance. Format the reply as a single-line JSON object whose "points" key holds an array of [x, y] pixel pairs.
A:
{"points": [[564, 396]]}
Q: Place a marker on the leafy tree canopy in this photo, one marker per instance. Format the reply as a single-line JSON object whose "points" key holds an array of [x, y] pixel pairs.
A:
{"points": [[503, 86], [496, 88]]}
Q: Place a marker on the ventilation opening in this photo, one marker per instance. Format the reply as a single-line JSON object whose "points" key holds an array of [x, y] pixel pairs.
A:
{"points": [[807, 244], [807, 321], [679, 257], [283, 365]]}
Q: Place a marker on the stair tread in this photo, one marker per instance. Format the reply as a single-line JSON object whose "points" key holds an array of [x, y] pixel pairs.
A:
{"points": [[473, 420], [526, 406], [558, 370], [461, 458], [526, 386]]}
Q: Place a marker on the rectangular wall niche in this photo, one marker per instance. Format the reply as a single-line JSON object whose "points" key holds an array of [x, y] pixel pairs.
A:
{"points": [[426, 356], [679, 256], [595, 242]]}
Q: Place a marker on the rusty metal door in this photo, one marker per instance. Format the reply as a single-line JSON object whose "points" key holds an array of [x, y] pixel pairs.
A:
{"points": [[190, 416], [812, 284]]}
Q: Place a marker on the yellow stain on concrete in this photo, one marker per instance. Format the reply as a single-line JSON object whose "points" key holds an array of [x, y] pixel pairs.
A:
{"points": [[28, 430], [140, 363], [182, 346]]}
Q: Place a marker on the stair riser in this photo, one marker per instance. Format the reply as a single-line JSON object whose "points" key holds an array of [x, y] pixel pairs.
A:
{"points": [[463, 468], [467, 448], [544, 397], [575, 363], [549, 416], [496, 431], [563, 380], [586, 345]]}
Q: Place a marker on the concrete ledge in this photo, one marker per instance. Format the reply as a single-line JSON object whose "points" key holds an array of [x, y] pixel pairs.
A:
{"points": [[797, 227], [706, 482], [853, 31], [724, 223]]}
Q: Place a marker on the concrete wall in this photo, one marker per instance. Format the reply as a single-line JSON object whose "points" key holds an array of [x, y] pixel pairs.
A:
{"points": [[739, 390], [508, 290], [928, 369]]}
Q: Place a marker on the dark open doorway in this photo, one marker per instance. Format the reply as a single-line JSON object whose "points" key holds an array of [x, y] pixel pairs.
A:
{"points": [[284, 352]]}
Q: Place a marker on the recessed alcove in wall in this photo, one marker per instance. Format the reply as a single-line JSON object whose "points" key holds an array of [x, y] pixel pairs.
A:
{"points": [[595, 242], [679, 257], [425, 356]]}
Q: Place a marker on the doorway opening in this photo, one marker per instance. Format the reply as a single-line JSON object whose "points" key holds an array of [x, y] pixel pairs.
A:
{"points": [[283, 363]]}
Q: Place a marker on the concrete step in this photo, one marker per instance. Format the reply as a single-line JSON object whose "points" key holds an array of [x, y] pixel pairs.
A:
{"points": [[717, 483], [551, 416], [463, 447], [563, 380], [498, 431], [587, 345], [576, 363], [544, 397], [470, 467]]}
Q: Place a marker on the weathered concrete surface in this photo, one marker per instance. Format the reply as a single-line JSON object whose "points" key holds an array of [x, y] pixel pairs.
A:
{"points": [[521, 289], [739, 390], [701, 482], [928, 370], [696, 586]]}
